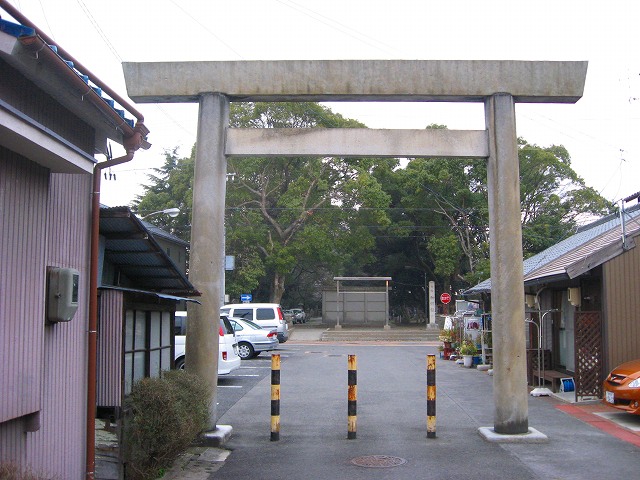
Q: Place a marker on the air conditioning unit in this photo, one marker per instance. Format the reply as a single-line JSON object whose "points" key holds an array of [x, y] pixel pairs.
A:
{"points": [[574, 296]]}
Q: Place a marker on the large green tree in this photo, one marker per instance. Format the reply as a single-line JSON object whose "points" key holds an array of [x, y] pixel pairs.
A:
{"points": [[289, 221], [170, 186], [300, 217], [440, 214]]}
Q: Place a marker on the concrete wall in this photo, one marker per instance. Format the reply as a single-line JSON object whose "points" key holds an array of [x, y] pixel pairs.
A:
{"points": [[356, 307]]}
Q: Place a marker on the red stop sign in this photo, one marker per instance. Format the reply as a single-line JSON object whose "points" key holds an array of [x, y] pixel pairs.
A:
{"points": [[445, 298]]}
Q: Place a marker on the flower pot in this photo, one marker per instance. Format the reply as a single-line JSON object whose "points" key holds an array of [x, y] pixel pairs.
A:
{"points": [[468, 360]]}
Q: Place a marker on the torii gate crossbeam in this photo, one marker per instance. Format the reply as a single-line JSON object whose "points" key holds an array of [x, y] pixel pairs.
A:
{"points": [[498, 84]]}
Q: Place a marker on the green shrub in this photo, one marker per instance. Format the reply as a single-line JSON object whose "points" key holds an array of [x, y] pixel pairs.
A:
{"points": [[164, 416]]}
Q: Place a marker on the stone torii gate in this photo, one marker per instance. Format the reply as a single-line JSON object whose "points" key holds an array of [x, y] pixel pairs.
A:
{"points": [[498, 84]]}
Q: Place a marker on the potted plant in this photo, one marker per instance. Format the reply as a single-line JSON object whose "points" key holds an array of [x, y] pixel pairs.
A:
{"points": [[447, 337], [468, 349]]}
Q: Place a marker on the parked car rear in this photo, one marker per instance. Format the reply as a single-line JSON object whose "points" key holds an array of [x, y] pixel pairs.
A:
{"points": [[252, 338], [228, 359], [298, 315], [267, 315]]}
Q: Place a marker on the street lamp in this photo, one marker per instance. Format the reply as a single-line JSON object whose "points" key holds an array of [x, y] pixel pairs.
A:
{"points": [[172, 212]]}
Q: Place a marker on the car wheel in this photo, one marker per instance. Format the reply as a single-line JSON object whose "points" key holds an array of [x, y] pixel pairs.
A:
{"points": [[245, 350], [179, 365]]}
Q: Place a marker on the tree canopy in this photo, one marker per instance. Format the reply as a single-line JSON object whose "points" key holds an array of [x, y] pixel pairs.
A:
{"points": [[294, 223]]}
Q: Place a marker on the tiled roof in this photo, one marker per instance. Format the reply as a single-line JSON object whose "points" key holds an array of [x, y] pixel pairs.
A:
{"points": [[589, 240]]}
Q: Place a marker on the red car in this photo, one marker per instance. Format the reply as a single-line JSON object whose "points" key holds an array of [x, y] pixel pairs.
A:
{"points": [[622, 387]]}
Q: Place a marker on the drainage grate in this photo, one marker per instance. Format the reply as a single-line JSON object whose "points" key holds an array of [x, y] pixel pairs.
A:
{"points": [[378, 461]]}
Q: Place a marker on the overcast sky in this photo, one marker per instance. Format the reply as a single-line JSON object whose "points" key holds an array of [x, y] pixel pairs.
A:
{"points": [[601, 131]]}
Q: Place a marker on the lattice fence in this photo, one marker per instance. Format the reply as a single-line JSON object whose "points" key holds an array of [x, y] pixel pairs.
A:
{"points": [[589, 354]]}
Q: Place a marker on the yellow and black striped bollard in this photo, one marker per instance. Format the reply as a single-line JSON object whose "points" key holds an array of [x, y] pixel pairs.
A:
{"points": [[352, 417], [275, 397], [431, 396]]}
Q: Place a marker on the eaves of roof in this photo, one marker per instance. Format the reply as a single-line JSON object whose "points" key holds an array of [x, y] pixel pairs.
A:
{"points": [[132, 248], [56, 72], [160, 233], [146, 292], [591, 246]]}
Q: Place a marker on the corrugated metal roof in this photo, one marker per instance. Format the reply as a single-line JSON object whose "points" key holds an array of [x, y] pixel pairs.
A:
{"points": [[132, 248], [145, 292], [158, 232], [589, 239]]}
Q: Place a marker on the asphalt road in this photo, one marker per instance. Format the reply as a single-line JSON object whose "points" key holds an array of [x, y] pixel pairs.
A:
{"points": [[232, 387], [392, 423]]}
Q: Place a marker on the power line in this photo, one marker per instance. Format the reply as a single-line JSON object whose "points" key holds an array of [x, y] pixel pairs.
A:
{"points": [[97, 28], [331, 23], [209, 31]]}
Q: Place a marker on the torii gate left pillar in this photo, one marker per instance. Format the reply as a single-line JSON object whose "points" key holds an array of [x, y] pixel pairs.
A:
{"points": [[499, 84]]}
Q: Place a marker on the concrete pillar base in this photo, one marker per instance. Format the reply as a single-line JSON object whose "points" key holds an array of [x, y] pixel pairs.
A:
{"points": [[338, 327], [387, 327], [217, 437], [532, 436]]}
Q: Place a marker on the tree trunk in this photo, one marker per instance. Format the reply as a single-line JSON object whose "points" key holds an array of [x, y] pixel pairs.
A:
{"points": [[277, 288]]}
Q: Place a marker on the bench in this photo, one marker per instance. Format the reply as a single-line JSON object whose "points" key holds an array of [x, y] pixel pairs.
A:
{"points": [[552, 376]]}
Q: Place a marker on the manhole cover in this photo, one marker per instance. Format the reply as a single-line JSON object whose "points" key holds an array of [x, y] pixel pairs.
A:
{"points": [[378, 461]]}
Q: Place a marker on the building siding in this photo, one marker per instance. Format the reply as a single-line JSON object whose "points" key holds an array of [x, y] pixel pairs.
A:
{"points": [[23, 200], [110, 322], [621, 287], [45, 222]]}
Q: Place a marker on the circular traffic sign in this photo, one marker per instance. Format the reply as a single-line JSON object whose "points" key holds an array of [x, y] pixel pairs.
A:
{"points": [[445, 298]]}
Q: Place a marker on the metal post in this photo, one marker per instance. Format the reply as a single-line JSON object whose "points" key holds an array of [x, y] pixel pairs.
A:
{"points": [[386, 305], [275, 397], [431, 396], [352, 417], [338, 304]]}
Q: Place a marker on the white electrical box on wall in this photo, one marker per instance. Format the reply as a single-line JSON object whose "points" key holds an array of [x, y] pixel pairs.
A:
{"points": [[574, 296], [62, 293]]}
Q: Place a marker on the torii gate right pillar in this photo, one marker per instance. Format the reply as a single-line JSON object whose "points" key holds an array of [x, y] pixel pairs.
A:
{"points": [[505, 250]]}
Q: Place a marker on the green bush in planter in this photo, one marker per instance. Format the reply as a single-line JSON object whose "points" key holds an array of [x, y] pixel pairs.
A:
{"points": [[164, 416], [468, 348]]}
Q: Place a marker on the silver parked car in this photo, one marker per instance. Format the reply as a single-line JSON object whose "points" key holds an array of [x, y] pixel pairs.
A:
{"points": [[298, 315], [252, 338]]}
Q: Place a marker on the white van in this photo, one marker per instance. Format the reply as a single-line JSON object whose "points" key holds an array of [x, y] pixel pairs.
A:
{"points": [[267, 315], [228, 359]]}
